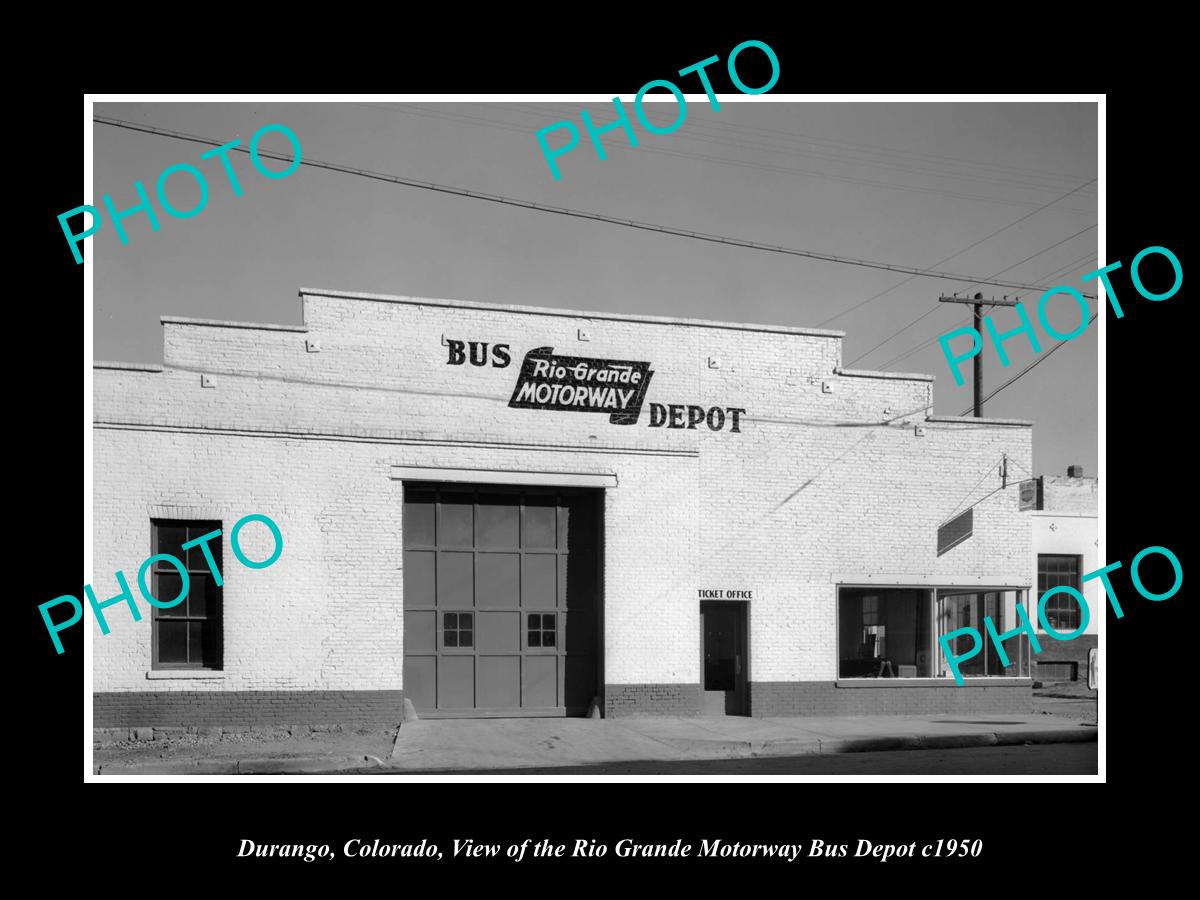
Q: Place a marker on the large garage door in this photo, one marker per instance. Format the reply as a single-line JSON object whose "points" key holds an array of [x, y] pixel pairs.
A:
{"points": [[500, 600]]}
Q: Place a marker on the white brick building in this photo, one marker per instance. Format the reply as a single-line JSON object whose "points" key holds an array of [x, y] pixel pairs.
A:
{"points": [[480, 558]]}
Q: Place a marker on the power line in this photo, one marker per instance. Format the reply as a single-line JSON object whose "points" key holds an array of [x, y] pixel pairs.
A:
{"points": [[976, 284], [1034, 364], [971, 491], [700, 134], [790, 137], [957, 253], [746, 164], [1061, 270], [575, 213]]}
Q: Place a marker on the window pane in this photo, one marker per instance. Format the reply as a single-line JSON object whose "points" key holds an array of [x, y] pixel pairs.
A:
{"points": [[464, 620], [418, 518], [172, 641], [466, 639], [170, 538], [450, 620], [450, 639], [541, 521], [196, 643], [201, 599], [547, 638], [166, 587], [535, 639], [195, 555], [457, 522], [210, 639], [498, 521]]}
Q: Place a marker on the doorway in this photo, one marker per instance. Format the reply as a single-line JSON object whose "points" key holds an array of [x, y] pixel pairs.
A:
{"points": [[723, 659], [501, 599]]}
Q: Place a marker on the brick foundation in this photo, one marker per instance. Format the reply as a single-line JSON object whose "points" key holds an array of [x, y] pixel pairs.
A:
{"points": [[224, 708], [651, 700], [824, 698]]}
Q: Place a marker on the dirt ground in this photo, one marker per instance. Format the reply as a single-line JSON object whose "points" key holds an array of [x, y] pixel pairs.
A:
{"points": [[1070, 700], [274, 743]]}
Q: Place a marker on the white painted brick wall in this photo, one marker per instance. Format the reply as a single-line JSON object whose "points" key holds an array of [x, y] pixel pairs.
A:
{"points": [[810, 488]]}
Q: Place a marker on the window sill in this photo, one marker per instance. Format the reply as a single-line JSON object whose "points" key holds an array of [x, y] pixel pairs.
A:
{"points": [[165, 674], [968, 681]]}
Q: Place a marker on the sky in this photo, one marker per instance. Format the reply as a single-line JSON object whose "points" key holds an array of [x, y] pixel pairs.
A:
{"points": [[904, 183]]}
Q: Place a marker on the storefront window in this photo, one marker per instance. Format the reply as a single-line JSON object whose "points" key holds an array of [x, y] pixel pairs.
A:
{"points": [[893, 632], [884, 633], [967, 610]]}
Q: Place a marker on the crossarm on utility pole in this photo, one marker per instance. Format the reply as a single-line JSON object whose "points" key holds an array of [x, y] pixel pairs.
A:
{"points": [[977, 301]]}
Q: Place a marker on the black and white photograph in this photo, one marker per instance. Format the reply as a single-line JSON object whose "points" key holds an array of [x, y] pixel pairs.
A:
{"points": [[552, 452], [702, 431]]}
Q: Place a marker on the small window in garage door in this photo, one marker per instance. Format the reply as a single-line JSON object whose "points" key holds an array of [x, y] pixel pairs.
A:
{"points": [[500, 599]]}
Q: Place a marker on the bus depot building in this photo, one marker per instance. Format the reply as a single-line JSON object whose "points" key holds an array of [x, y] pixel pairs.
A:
{"points": [[500, 511]]}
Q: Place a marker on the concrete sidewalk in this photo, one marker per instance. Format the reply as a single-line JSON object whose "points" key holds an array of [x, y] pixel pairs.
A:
{"points": [[470, 744], [466, 744]]}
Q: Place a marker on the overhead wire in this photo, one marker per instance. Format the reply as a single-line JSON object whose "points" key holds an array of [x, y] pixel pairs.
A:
{"points": [[956, 253], [1062, 270], [699, 133], [938, 305], [789, 137], [683, 154], [1041, 359], [575, 213]]}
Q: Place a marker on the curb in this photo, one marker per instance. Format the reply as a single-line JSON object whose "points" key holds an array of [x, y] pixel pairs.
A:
{"points": [[1086, 733], [699, 748]]}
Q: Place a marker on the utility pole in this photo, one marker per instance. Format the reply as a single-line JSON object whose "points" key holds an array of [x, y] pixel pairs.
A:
{"points": [[977, 301]]}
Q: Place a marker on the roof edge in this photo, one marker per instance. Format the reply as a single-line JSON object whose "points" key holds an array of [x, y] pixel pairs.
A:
{"points": [[127, 366], [869, 373], [979, 420], [568, 313], [226, 323]]}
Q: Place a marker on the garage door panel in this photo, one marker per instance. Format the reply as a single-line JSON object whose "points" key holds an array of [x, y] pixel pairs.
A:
{"points": [[419, 578], [540, 681], [499, 631], [456, 682], [539, 581], [498, 579], [456, 580], [499, 684], [420, 632], [420, 681]]}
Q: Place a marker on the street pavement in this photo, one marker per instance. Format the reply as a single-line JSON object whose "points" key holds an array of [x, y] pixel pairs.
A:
{"points": [[1033, 759]]}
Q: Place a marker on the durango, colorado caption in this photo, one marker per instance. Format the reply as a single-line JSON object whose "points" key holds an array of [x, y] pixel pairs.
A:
{"points": [[499, 511]]}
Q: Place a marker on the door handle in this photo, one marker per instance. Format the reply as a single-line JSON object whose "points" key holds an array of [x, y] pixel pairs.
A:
{"points": [[737, 664]]}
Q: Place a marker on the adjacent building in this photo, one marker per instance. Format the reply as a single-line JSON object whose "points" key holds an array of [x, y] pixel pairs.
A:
{"points": [[515, 511], [1066, 545]]}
